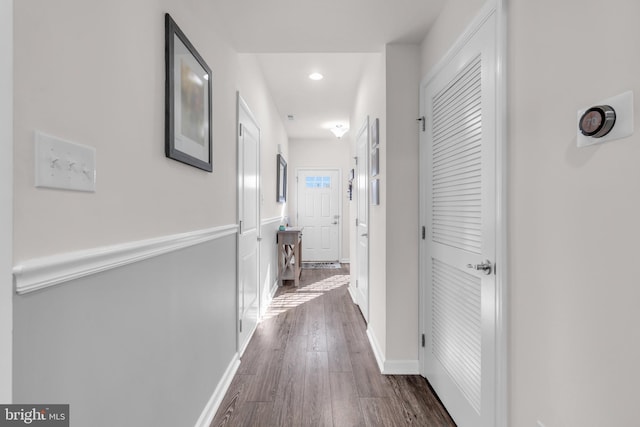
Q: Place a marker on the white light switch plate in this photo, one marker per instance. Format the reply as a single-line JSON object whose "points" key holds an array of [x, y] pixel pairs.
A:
{"points": [[623, 105], [64, 164]]}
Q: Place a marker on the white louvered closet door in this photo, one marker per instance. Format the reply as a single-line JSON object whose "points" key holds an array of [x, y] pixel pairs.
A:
{"points": [[460, 183]]}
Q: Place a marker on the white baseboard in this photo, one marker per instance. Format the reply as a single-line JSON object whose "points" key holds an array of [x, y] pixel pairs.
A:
{"points": [[206, 417], [345, 261], [266, 301], [401, 367], [392, 367], [377, 351], [353, 297], [246, 343]]}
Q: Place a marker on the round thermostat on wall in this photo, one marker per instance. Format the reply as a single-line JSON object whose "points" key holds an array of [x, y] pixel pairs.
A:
{"points": [[597, 121]]}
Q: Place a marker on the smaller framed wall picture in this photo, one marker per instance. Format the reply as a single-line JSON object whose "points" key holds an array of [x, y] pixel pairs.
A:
{"points": [[375, 192], [375, 161], [375, 133], [188, 101], [281, 197]]}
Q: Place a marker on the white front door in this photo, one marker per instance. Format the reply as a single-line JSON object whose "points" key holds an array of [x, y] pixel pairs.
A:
{"points": [[362, 220], [249, 223], [459, 195], [319, 213]]}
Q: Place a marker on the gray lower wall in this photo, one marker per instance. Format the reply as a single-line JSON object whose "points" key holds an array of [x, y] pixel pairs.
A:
{"points": [[141, 345]]}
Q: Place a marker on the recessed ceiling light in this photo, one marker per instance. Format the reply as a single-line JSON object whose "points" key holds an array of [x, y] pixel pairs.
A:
{"points": [[316, 76]]}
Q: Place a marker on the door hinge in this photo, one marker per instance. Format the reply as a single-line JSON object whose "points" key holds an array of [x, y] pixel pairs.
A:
{"points": [[240, 228], [241, 326], [356, 159], [240, 129], [356, 222], [423, 340], [356, 283], [424, 123], [424, 232]]}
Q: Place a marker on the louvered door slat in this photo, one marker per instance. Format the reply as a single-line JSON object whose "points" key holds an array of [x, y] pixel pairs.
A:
{"points": [[457, 160], [456, 327]]}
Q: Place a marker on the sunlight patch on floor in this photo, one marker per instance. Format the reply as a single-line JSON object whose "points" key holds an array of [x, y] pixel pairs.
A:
{"points": [[288, 300]]}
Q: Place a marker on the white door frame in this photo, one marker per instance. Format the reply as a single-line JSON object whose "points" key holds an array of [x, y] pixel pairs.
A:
{"points": [[241, 105], [360, 162], [6, 200], [341, 220], [498, 7]]}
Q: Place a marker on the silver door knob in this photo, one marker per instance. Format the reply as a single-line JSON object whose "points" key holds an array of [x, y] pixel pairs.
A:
{"points": [[365, 235], [486, 266], [334, 222]]}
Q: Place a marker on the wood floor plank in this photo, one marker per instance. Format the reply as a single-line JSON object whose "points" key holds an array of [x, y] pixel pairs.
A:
{"points": [[420, 406], [316, 408], [337, 348], [236, 396], [287, 408], [264, 385], [299, 320], [370, 382], [345, 402], [251, 414], [382, 412], [316, 327]]}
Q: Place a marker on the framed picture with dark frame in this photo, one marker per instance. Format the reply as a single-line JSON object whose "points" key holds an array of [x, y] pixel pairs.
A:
{"points": [[282, 180], [188, 101]]}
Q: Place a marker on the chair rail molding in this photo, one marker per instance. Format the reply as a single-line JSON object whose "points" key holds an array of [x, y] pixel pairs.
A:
{"points": [[41, 273]]}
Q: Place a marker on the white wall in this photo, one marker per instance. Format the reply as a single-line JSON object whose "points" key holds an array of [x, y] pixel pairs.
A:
{"points": [[253, 89], [453, 20], [402, 207], [388, 91], [93, 73], [330, 153], [575, 342], [6, 197], [371, 101]]}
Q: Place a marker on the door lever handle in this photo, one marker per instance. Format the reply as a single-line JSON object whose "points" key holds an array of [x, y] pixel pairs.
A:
{"points": [[365, 234], [486, 266], [334, 222]]}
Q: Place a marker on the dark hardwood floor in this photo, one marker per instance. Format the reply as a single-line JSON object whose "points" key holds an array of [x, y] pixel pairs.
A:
{"points": [[309, 363]]}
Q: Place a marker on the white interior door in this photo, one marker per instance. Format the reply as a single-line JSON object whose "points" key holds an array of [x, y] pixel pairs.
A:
{"points": [[459, 148], [249, 223], [362, 220], [319, 213]]}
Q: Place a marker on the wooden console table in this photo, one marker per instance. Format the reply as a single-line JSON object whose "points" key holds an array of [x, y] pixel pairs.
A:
{"points": [[290, 255]]}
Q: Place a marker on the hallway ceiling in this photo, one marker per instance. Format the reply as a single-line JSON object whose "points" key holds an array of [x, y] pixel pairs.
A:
{"points": [[268, 26], [315, 105], [296, 37]]}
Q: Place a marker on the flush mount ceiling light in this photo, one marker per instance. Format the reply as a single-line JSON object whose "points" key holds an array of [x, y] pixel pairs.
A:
{"points": [[339, 130], [316, 76]]}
